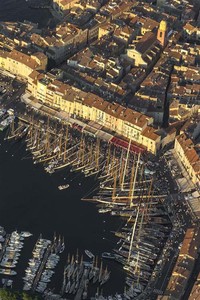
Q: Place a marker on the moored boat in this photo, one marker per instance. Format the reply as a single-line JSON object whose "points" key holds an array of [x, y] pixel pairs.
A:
{"points": [[63, 187], [89, 254], [108, 255]]}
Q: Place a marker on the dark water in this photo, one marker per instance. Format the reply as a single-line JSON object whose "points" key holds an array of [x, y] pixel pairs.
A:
{"points": [[30, 200], [18, 10]]}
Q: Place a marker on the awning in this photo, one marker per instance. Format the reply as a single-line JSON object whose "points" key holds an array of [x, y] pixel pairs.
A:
{"points": [[124, 144]]}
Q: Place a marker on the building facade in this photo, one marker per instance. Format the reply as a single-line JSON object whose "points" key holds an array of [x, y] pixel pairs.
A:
{"points": [[21, 64], [185, 150], [88, 106]]}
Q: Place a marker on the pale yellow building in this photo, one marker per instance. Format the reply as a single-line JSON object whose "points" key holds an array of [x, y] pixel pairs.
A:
{"points": [[144, 51], [162, 33], [191, 31], [185, 150], [150, 139], [3, 59], [106, 29], [183, 268], [63, 5], [124, 121], [21, 64]]}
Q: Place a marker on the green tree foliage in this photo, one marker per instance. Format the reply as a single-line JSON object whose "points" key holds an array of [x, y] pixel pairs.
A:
{"points": [[10, 295], [7, 295]]}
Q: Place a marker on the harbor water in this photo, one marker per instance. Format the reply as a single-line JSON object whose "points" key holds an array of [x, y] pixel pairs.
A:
{"points": [[19, 10], [31, 201]]}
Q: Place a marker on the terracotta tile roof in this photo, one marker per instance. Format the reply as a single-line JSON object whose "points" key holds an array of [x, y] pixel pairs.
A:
{"points": [[147, 41], [149, 132], [189, 152], [23, 58], [189, 27], [4, 54]]}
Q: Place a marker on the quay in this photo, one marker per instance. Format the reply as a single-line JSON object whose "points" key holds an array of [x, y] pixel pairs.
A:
{"points": [[128, 180], [4, 246], [108, 90], [42, 265], [125, 185], [90, 127]]}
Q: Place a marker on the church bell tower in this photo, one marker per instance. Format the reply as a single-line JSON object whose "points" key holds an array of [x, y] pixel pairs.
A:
{"points": [[162, 33]]}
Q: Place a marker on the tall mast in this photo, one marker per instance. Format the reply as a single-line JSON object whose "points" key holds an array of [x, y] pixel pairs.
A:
{"points": [[133, 234], [60, 145], [148, 204], [31, 133], [65, 146], [134, 180], [38, 139], [137, 268], [140, 226], [108, 158], [113, 162], [91, 154], [115, 184], [121, 170], [47, 136], [97, 154], [83, 152], [80, 148], [125, 167]]}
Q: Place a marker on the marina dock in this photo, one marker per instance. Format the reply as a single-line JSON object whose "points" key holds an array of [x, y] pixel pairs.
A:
{"points": [[125, 189]]}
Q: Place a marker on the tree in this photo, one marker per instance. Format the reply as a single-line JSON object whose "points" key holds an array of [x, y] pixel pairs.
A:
{"points": [[7, 295], [11, 295]]}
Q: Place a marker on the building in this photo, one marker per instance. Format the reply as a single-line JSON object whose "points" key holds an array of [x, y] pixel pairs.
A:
{"points": [[88, 106], [62, 42], [150, 98], [189, 157], [144, 51], [191, 32], [184, 266], [62, 6], [162, 33], [22, 64], [195, 293]]}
